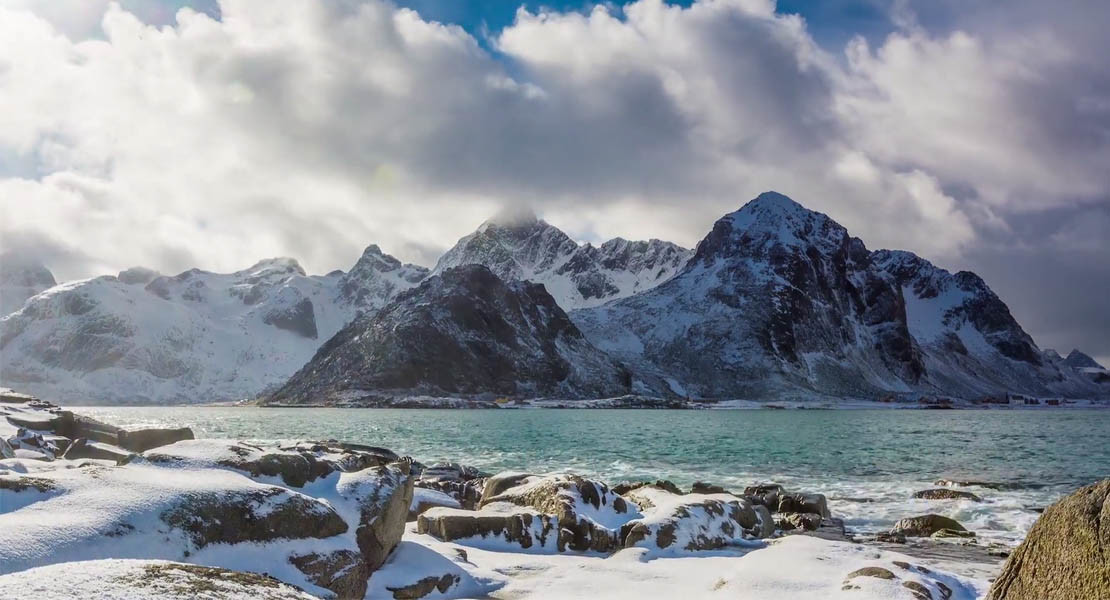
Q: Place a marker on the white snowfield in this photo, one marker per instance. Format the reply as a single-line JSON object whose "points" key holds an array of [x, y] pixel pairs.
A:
{"points": [[194, 337]]}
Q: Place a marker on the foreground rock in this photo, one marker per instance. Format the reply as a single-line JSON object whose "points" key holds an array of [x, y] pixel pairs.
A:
{"points": [[1066, 554], [692, 522], [588, 513], [151, 579], [499, 525]]}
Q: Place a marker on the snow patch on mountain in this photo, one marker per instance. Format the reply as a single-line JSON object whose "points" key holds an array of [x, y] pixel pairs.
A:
{"points": [[21, 278]]}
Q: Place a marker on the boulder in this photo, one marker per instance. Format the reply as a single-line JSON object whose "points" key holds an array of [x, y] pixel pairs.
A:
{"points": [[425, 586], [499, 483], [296, 464], [766, 494], [1066, 553], [946, 494], [463, 483], [424, 499], [877, 572], [6, 450], [588, 513], [255, 515], [802, 521], [343, 571], [701, 487], [804, 503], [83, 448], [496, 523], [663, 484], [141, 440], [692, 522], [925, 525], [382, 495]]}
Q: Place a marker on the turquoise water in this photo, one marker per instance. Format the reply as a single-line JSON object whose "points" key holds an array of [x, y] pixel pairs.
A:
{"points": [[867, 462]]}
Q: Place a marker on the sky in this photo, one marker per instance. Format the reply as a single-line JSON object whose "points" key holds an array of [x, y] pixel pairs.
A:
{"points": [[196, 133]]}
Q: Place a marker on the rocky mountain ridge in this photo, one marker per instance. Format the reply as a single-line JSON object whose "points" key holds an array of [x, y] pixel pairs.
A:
{"points": [[777, 301]]}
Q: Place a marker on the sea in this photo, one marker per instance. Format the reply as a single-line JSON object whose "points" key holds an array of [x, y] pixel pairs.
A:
{"points": [[867, 462]]}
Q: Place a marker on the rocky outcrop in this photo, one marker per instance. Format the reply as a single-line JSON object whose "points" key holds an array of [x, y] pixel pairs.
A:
{"points": [[927, 525], [946, 494], [515, 245], [296, 464], [583, 509], [500, 523], [232, 517], [691, 522], [382, 495], [462, 483], [462, 332], [1065, 555], [343, 571]]}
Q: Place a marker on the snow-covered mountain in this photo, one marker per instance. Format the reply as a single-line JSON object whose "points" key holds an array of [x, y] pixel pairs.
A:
{"points": [[462, 331], [194, 337], [516, 245], [21, 278], [780, 300], [1079, 360]]}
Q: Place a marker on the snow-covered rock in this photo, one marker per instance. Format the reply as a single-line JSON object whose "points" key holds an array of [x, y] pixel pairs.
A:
{"points": [[461, 332], [515, 245], [122, 579], [692, 522], [194, 337]]}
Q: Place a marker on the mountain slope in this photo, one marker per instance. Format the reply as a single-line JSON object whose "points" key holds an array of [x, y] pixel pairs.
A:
{"points": [[779, 300], [194, 337], [515, 245], [462, 332]]}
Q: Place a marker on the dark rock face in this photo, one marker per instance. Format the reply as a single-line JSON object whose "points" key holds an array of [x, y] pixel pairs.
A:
{"points": [[462, 332], [1066, 554], [299, 318]]}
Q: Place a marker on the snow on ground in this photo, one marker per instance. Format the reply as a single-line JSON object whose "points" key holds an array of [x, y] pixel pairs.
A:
{"points": [[795, 567], [114, 579]]}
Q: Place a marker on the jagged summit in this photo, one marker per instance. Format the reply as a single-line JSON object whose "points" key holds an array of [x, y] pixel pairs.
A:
{"points": [[1080, 360], [531, 249], [271, 266], [513, 216]]}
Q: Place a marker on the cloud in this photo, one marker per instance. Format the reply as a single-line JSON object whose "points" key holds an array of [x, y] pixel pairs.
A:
{"points": [[313, 128]]}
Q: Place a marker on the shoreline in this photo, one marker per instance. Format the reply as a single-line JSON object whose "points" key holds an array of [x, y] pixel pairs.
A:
{"points": [[623, 533]]}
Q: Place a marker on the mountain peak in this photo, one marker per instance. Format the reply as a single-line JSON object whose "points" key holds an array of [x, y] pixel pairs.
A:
{"points": [[512, 215], [1080, 360]]}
